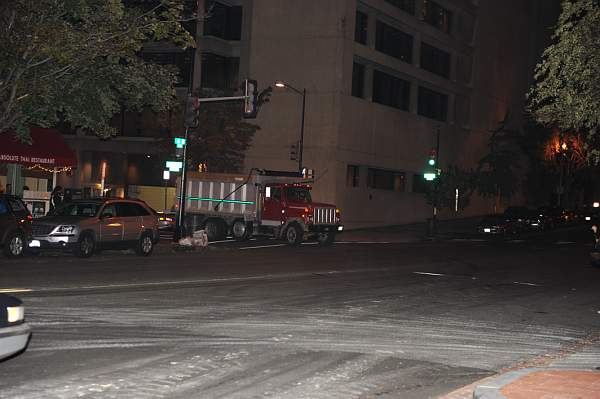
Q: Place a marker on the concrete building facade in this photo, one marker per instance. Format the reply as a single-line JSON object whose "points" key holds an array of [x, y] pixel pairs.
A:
{"points": [[382, 77]]}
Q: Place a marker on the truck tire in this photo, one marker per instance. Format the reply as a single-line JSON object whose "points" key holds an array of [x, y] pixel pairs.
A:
{"points": [[14, 245], [240, 230], [294, 234], [215, 229], [326, 238]]}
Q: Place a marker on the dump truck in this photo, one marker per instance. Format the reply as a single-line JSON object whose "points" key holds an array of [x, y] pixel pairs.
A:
{"points": [[273, 203]]}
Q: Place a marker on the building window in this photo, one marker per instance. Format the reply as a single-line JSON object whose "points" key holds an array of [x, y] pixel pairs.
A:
{"points": [[436, 15], [219, 72], [352, 176], [405, 5], [432, 104], [435, 60], [223, 21], [386, 180], [394, 42], [360, 30], [358, 80], [390, 90], [182, 60]]}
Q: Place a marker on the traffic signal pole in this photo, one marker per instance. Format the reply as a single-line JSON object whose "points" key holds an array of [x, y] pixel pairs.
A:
{"points": [[435, 187], [180, 225]]}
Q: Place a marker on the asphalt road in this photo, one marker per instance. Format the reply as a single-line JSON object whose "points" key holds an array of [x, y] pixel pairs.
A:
{"points": [[259, 320]]}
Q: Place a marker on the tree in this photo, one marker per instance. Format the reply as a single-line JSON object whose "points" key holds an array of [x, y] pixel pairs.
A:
{"points": [[565, 94], [78, 61], [222, 137]]}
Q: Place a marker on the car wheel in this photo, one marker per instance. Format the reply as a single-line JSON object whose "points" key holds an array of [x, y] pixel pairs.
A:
{"points": [[85, 246], [15, 245], [293, 235], [214, 229], [145, 245], [326, 238], [240, 230]]}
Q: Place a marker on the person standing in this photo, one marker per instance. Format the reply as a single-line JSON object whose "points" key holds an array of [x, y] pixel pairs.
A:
{"points": [[56, 199]]}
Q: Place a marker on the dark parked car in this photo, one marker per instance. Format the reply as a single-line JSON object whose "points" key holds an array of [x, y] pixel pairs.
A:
{"points": [[85, 226], [15, 225], [14, 332], [166, 220], [498, 225]]}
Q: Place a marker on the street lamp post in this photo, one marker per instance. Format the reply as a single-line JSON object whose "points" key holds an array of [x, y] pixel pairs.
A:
{"points": [[303, 94]]}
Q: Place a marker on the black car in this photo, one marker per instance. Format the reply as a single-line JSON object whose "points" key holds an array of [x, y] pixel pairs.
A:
{"points": [[14, 332], [15, 225], [498, 225]]}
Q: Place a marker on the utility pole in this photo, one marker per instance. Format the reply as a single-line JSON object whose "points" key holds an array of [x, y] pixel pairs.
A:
{"points": [[436, 186]]}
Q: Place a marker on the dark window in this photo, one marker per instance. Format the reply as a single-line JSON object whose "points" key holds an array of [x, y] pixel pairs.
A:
{"points": [[404, 5], [386, 180], [223, 21], [129, 209], [352, 176], [436, 15], [394, 42], [182, 60], [109, 211], [390, 90], [219, 72], [275, 193], [358, 80], [16, 205], [433, 104], [3, 207], [435, 60], [360, 30], [419, 184]]}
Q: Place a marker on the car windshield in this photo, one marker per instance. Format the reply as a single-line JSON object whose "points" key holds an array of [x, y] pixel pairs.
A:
{"points": [[83, 209], [297, 194]]}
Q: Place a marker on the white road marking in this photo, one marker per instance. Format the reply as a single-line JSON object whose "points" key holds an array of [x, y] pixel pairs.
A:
{"points": [[310, 243], [525, 283], [264, 246], [363, 242], [13, 290], [217, 242], [565, 242], [429, 274]]}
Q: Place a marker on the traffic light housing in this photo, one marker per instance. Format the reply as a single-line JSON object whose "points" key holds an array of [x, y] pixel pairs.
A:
{"points": [[293, 152], [432, 157], [192, 112], [431, 171], [251, 99]]}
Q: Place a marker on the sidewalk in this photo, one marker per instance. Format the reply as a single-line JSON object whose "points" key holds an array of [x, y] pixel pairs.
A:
{"points": [[573, 373]]}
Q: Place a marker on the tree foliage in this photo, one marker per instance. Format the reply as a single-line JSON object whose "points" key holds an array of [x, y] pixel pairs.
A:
{"points": [[78, 61], [222, 137], [567, 89]]}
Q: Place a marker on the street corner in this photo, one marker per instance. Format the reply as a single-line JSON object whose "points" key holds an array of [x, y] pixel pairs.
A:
{"points": [[536, 383]]}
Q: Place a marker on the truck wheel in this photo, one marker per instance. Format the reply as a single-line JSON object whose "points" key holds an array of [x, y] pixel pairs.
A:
{"points": [[326, 238], [214, 229], [14, 246], [85, 246], [240, 230], [293, 235]]}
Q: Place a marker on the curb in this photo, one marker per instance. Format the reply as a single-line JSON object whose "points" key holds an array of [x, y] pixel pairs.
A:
{"points": [[491, 389]]}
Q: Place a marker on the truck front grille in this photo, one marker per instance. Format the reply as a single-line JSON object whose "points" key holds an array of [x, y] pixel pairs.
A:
{"points": [[324, 216]]}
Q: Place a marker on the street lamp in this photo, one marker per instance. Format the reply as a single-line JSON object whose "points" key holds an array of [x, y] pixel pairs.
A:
{"points": [[285, 85]]}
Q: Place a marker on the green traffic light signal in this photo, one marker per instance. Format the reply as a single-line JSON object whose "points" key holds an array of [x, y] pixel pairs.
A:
{"points": [[431, 162]]}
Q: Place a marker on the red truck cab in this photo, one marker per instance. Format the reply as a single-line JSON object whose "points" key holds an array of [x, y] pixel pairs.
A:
{"points": [[289, 212]]}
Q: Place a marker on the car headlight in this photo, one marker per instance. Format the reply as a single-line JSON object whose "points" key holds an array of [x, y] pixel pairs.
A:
{"points": [[65, 229], [15, 313]]}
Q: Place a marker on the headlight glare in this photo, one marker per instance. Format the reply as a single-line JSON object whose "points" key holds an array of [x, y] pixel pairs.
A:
{"points": [[15, 313]]}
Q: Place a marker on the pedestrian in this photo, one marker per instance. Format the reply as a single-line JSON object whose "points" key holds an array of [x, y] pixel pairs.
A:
{"points": [[56, 199], [596, 237]]}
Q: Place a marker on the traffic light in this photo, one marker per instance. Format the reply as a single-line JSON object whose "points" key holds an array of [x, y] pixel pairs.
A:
{"points": [[431, 171], [251, 99], [432, 157], [192, 112], [293, 152]]}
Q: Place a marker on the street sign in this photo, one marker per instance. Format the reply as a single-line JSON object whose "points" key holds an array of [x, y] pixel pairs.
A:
{"points": [[174, 166], [166, 175], [429, 176], [179, 142]]}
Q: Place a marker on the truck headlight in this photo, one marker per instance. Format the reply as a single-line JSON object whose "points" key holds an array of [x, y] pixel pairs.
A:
{"points": [[15, 313], [65, 229]]}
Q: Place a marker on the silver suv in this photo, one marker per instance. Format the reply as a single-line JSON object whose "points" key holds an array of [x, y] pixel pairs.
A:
{"points": [[85, 226]]}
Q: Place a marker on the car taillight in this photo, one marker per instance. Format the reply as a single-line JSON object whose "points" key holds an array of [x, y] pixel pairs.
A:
{"points": [[338, 215]]}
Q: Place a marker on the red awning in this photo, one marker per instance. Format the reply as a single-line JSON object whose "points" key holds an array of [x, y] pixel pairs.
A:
{"points": [[48, 149]]}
